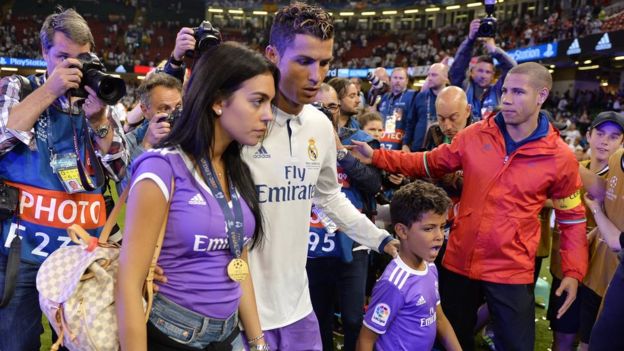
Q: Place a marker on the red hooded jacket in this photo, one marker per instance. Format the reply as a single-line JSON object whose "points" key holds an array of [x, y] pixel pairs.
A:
{"points": [[495, 235]]}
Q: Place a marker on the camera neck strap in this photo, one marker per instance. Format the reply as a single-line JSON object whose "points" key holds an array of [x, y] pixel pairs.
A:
{"points": [[91, 159]]}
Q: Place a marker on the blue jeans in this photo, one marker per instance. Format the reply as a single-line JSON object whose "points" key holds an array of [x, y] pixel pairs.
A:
{"points": [[607, 332], [20, 320], [329, 279], [189, 328]]}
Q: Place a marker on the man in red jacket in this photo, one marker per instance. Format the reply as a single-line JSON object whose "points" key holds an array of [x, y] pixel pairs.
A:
{"points": [[512, 163]]}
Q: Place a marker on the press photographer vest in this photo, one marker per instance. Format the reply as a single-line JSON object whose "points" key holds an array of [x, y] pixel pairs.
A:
{"points": [[46, 210]]}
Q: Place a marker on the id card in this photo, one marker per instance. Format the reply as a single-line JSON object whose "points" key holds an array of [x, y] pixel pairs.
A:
{"points": [[65, 166], [390, 127]]}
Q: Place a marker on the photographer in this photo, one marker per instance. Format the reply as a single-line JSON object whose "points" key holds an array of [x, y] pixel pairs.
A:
{"points": [[477, 80], [159, 94], [396, 108], [43, 146]]}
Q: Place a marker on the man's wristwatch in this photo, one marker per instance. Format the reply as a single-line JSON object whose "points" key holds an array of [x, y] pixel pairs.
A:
{"points": [[341, 154], [102, 130], [174, 61]]}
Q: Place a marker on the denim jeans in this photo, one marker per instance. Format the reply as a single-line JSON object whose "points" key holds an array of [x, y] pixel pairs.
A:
{"points": [[189, 328], [20, 320]]}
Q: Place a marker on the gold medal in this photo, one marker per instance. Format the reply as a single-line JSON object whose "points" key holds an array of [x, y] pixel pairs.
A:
{"points": [[237, 270]]}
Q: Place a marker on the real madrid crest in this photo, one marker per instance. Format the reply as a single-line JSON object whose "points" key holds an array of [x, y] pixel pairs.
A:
{"points": [[312, 150]]}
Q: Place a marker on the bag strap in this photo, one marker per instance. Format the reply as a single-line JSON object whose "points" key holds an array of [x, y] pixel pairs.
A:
{"points": [[12, 268], [148, 288]]}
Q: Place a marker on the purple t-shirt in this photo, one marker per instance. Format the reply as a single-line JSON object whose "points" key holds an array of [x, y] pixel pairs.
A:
{"points": [[195, 250], [403, 308]]}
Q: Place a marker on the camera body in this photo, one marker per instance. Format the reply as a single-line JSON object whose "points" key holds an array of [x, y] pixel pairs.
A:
{"points": [[206, 36], [378, 88], [487, 27], [375, 82], [172, 117], [108, 88]]}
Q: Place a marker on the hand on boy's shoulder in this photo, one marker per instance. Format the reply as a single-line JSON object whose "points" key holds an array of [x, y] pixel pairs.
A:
{"points": [[392, 248]]}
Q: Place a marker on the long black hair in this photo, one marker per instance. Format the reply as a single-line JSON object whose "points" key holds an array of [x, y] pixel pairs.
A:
{"points": [[219, 72]]}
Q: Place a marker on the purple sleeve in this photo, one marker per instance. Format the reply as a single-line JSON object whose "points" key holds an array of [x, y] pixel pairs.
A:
{"points": [[386, 302], [155, 167]]}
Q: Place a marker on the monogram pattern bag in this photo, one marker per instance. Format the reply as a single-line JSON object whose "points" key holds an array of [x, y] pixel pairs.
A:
{"points": [[76, 287]]}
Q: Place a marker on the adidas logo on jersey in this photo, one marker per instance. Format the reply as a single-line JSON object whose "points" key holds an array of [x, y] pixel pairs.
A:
{"points": [[604, 43], [261, 153], [421, 301], [574, 48], [197, 200]]}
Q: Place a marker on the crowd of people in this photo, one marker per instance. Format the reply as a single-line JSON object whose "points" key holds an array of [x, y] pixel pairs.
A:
{"points": [[277, 197], [139, 36]]}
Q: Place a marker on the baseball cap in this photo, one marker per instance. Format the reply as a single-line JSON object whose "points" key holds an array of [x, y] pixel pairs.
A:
{"points": [[608, 116]]}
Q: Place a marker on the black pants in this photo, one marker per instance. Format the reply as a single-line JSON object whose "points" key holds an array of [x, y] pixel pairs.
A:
{"points": [[512, 309], [608, 333], [334, 282]]}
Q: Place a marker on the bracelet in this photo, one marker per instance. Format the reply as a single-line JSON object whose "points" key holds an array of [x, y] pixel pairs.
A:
{"points": [[264, 347], [252, 340]]}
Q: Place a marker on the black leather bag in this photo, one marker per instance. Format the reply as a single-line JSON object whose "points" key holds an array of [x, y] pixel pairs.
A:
{"points": [[9, 198]]}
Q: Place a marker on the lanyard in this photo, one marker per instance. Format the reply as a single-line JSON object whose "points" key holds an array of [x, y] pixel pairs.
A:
{"points": [[234, 216]]}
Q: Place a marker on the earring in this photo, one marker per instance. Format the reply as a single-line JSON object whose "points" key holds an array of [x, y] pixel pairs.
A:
{"points": [[219, 112]]}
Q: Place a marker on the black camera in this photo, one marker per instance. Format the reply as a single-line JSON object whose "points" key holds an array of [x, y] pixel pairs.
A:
{"points": [[108, 88], [487, 28], [172, 117], [9, 200], [205, 36], [378, 88], [376, 83]]}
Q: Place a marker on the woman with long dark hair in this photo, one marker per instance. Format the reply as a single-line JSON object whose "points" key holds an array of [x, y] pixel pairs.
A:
{"points": [[213, 217]]}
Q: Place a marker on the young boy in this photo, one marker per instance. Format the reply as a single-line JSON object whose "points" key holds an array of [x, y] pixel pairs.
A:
{"points": [[372, 124], [405, 311]]}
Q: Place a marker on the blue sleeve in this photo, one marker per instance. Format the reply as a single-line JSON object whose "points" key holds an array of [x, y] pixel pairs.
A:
{"points": [[506, 63], [367, 179], [175, 72], [410, 119], [457, 72]]}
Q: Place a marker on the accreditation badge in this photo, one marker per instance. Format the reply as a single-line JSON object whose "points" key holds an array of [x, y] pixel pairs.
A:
{"points": [[65, 166]]}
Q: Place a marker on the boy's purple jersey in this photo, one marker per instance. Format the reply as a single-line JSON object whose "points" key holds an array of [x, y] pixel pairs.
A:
{"points": [[403, 308]]}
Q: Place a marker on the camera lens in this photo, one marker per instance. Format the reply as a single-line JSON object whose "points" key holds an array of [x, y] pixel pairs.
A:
{"points": [[111, 90]]}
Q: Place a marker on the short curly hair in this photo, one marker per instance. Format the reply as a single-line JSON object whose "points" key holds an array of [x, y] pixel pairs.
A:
{"points": [[299, 18], [413, 200]]}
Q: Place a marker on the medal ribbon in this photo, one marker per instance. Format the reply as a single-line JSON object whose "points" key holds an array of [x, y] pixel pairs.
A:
{"points": [[234, 216]]}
